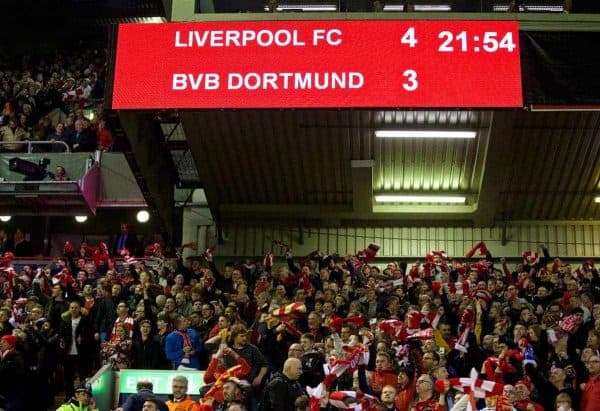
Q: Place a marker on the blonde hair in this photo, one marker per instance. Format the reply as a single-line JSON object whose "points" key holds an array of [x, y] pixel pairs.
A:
{"points": [[563, 396]]}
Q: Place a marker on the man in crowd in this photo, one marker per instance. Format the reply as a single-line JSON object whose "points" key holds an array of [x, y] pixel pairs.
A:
{"points": [[144, 394], [180, 400], [77, 340], [283, 389]]}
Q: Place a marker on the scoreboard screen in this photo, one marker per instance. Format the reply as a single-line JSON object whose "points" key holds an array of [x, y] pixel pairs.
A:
{"points": [[318, 64]]}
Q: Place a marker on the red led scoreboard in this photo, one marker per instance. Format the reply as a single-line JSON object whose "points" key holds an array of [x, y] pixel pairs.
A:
{"points": [[318, 64]]}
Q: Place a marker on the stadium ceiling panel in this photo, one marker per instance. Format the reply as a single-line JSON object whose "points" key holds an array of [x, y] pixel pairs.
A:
{"points": [[306, 165]]}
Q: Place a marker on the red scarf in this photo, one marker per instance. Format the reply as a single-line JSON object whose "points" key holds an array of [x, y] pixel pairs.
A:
{"points": [[187, 341]]}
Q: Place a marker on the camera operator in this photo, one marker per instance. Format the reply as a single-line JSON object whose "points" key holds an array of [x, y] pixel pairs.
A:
{"points": [[60, 174]]}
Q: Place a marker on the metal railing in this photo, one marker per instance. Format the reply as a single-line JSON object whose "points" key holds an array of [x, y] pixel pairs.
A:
{"points": [[30, 145]]}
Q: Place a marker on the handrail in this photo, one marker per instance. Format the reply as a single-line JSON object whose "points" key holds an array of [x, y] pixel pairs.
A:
{"points": [[37, 143]]}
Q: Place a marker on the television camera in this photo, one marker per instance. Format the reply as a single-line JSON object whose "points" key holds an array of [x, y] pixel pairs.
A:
{"points": [[31, 170]]}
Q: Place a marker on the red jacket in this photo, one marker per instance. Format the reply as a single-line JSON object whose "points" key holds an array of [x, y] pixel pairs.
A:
{"points": [[428, 405], [405, 396], [590, 398], [523, 404], [379, 379]]}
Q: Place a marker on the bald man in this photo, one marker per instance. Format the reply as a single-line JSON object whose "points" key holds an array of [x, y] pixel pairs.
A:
{"points": [[283, 389]]}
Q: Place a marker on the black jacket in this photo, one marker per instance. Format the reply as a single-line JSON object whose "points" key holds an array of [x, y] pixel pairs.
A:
{"points": [[312, 369], [280, 394], [147, 354], [12, 372], [85, 345]]}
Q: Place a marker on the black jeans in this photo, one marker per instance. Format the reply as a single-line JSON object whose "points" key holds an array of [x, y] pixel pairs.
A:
{"points": [[75, 364]]}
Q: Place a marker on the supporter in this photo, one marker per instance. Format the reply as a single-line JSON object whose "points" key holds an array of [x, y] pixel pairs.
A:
{"points": [[301, 403], [106, 313], [117, 351], [388, 395], [238, 341], [223, 281], [12, 372], [40, 132], [35, 317], [422, 325], [591, 389], [55, 305], [378, 6], [182, 346], [23, 247], [523, 391], [144, 399], [170, 308], [23, 122], [6, 243], [84, 139], [216, 367], [57, 136], [272, 6], [382, 375], [316, 329], [208, 321], [183, 306], [8, 111], [430, 361], [11, 134], [68, 135], [282, 390], [425, 395], [164, 325], [563, 402], [153, 404], [48, 364], [76, 339], [235, 395], [125, 240], [124, 318], [104, 137]]}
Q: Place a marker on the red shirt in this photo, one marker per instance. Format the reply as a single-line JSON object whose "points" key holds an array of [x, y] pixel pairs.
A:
{"points": [[432, 405], [590, 398], [523, 404], [379, 379]]}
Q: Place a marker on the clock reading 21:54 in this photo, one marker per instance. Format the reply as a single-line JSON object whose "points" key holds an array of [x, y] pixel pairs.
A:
{"points": [[490, 41], [462, 42]]}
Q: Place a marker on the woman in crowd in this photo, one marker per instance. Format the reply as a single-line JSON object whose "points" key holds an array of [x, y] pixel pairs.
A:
{"points": [[118, 351]]}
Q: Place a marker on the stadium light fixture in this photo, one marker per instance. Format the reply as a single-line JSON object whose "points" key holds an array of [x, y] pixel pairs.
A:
{"points": [[143, 216], [424, 134], [420, 199]]}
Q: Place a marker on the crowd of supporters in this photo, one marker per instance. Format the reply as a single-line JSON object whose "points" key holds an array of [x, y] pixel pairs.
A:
{"points": [[57, 98], [322, 331]]}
